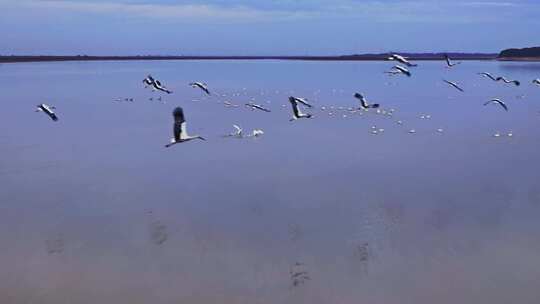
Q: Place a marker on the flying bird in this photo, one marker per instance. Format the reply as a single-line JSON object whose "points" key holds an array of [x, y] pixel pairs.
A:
{"points": [[449, 62], [257, 107], [515, 82], [455, 85], [397, 69], [499, 102], [200, 85], [179, 129], [238, 132], [229, 104], [488, 75], [47, 110], [300, 100], [297, 114], [536, 81], [401, 59], [158, 86], [363, 102]]}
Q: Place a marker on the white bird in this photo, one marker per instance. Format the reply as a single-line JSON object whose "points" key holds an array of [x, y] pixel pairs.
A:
{"points": [[515, 82], [449, 62], [47, 110], [200, 85], [254, 106], [238, 132], [401, 59], [256, 133], [229, 104], [179, 129], [497, 101], [297, 114], [452, 83], [488, 75], [536, 81], [363, 102], [301, 100], [397, 69]]}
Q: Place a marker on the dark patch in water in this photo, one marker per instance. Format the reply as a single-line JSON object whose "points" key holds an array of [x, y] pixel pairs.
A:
{"points": [[158, 233]]}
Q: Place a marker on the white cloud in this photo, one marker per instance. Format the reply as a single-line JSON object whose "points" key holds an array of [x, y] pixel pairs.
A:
{"points": [[490, 4], [179, 12], [236, 11]]}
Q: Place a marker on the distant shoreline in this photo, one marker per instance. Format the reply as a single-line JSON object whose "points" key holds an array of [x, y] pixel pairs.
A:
{"points": [[366, 57], [518, 59]]}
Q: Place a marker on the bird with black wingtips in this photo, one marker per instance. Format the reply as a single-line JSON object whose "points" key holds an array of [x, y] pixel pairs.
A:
{"points": [[397, 69], [158, 86], [180, 130], [449, 63], [297, 113], [363, 102], [401, 59], [488, 75], [497, 101], [453, 84], [255, 106], [47, 110], [202, 86], [536, 81], [503, 79]]}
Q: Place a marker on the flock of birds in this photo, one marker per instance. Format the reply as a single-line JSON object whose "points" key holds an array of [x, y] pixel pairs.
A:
{"points": [[299, 110], [298, 105]]}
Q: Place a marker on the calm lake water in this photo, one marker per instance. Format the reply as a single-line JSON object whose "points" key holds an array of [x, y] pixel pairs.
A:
{"points": [[94, 209]]}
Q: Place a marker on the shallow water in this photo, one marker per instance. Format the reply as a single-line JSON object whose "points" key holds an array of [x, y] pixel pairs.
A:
{"points": [[95, 209]]}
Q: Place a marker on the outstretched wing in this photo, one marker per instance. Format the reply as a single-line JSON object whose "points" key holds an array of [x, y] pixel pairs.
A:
{"points": [[362, 99], [205, 89], [261, 108], [302, 101], [403, 70], [179, 126], [488, 75], [502, 104], [296, 111], [448, 62], [453, 84]]}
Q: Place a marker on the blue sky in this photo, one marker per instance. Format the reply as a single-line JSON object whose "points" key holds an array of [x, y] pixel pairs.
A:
{"points": [[256, 27]]}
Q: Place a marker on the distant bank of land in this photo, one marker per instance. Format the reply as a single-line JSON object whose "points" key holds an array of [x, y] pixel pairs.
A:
{"points": [[526, 54], [363, 57]]}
